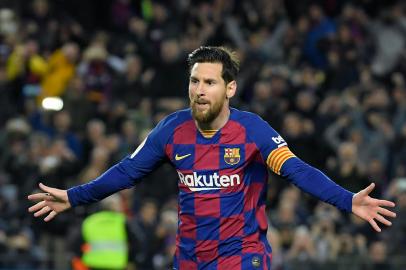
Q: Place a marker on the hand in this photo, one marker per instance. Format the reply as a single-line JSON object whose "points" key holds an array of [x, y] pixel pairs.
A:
{"points": [[53, 201], [371, 209]]}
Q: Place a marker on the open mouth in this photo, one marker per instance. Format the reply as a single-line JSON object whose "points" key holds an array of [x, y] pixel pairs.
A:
{"points": [[202, 104], [201, 101]]}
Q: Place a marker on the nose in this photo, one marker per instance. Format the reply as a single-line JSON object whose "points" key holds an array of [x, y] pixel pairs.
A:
{"points": [[200, 89]]}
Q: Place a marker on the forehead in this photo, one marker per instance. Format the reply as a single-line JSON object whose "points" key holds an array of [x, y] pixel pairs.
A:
{"points": [[206, 70]]}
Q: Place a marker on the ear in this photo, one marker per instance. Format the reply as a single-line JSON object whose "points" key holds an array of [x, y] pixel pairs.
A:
{"points": [[231, 88]]}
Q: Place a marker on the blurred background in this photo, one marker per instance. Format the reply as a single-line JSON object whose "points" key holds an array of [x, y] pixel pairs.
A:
{"points": [[83, 82]]}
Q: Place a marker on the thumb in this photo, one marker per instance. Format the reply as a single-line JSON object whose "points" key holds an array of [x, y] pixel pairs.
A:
{"points": [[46, 188], [368, 189]]}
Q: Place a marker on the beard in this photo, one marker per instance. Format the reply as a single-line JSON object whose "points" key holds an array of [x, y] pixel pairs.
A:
{"points": [[206, 116]]}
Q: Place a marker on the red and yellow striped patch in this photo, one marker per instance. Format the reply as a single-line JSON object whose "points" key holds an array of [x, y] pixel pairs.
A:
{"points": [[277, 157]]}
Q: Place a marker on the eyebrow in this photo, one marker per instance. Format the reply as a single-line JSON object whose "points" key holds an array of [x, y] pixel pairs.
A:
{"points": [[205, 80]]}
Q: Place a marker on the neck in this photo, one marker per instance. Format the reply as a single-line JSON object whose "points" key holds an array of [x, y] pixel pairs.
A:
{"points": [[218, 122]]}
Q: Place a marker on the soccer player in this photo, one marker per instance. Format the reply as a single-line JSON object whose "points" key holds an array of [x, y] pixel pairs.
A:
{"points": [[222, 156]]}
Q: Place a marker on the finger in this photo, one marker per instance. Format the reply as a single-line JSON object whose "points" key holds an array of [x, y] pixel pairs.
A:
{"points": [[374, 225], [386, 203], [42, 197], [50, 216], [368, 189], [36, 206], [386, 212], [383, 220], [43, 211], [37, 197]]}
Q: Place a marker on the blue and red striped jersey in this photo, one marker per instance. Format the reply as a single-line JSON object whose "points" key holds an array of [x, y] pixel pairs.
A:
{"points": [[222, 186]]}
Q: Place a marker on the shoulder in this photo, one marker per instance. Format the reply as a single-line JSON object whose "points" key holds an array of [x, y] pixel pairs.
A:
{"points": [[164, 130], [248, 119], [176, 118], [256, 128], [170, 122]]}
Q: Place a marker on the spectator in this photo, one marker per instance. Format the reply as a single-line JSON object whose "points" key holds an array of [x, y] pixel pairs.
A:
{"points": [[144, 226], [61, 129], [104, 241], [131, 87], [61, 69], [302, 252], [351, 251], [378, 256], [397, 234], [97, 75]]}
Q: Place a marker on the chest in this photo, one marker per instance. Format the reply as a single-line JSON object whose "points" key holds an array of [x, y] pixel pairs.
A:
{"points": [[212, 157]]}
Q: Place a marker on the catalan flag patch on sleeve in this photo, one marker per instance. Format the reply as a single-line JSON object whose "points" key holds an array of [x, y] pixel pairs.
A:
{"points": [[277, 157]]}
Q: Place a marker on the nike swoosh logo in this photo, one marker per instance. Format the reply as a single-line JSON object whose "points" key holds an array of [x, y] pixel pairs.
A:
{"points": [[181, 157]]}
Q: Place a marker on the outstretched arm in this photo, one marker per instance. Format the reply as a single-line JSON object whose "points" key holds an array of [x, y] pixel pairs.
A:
{"points": [[52, 201], [123, 175], [371, 209], [314, 182], [283, 162]]}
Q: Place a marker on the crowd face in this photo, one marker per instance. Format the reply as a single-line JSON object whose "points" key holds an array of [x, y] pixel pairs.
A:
{"points": [[207, 92]]}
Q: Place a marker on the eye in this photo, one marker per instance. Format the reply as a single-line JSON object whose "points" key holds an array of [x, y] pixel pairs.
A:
{"points": [[193, 80], [211, 83]]}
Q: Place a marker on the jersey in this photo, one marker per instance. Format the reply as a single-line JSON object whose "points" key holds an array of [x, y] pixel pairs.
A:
{"points": [[222, 186]]}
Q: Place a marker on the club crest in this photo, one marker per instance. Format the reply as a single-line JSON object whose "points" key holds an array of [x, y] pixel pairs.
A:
{"points": [[232, 155]]}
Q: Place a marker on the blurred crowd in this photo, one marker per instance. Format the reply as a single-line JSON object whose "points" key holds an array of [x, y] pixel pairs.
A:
{"points": [[328, 75]]}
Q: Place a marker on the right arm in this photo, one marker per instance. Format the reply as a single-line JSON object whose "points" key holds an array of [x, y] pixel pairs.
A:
{"points": [[123, 175]]}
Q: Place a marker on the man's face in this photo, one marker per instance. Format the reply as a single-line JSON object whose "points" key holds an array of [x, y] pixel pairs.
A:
{"points": [[207, 91]]}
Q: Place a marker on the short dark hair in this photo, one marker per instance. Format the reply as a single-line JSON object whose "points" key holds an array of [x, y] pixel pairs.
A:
{"points": [[209, 54]]}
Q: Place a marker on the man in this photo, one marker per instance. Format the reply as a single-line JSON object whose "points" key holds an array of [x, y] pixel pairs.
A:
{"points": [[104, 240], [221, 155]]}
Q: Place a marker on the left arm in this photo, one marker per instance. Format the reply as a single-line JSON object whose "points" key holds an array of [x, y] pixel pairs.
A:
{"points": [[314, 182], [283, 162]]}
